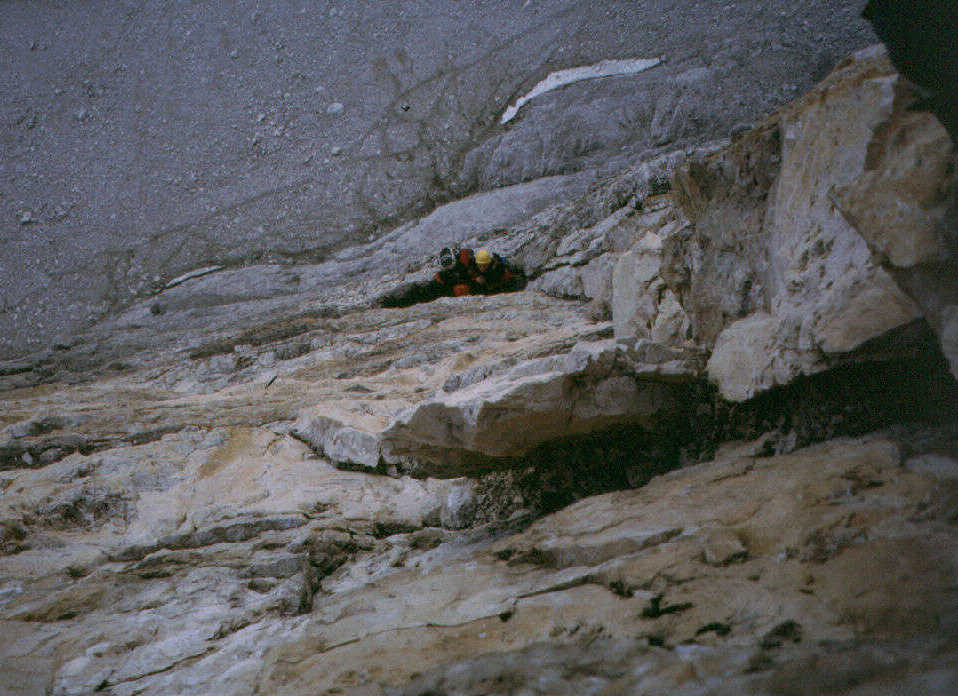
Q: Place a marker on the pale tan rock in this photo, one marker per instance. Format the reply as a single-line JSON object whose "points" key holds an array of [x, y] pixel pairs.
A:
{"points": [[594, 386], [802, 519], [749, 358], [858, 179], [822, 270], [721, 547], [180, 527], [672, 326], [637, 285], [853, 313], [902, 193]]}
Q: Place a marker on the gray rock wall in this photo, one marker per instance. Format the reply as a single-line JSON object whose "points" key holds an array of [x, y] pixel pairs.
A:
{"points": [[145, 140]]}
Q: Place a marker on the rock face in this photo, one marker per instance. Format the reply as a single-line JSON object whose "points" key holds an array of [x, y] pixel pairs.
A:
{"points": [[591, 388], [712, 448], [145, 144], [814, 236]]}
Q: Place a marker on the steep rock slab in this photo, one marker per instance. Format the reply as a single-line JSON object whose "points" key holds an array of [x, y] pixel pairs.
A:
{"points": [[823, 282], [146, 556], [235, 316], [219, 301]]}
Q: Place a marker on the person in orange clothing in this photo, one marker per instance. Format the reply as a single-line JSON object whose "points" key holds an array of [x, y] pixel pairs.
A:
{"points": [[455, 273]]}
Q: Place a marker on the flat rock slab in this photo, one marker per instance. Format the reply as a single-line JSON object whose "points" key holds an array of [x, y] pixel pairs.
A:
{"points": [[650, 567]]}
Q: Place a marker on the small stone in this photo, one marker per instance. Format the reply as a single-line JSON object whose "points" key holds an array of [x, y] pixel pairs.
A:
{"points": [[722, 547], [234, 54], [336, 150], [335, 108], [26, 217], [459, 507]]}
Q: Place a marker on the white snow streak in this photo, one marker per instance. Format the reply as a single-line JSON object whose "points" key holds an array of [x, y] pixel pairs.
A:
{"points": [[192, 274], [560, 78]]}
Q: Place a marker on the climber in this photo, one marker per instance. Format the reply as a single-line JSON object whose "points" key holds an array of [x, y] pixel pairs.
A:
{"points": [[492, 274], [455, 273], [461, 272]]}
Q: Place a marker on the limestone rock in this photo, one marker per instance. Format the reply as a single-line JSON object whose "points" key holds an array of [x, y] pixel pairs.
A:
{"points": [[905, 186], [748, 358], [573, 580], [642, 303], [789, 227], [722, 547], [296, 490], [341, 443], [593, 387], [672, 326], [821, 273]]}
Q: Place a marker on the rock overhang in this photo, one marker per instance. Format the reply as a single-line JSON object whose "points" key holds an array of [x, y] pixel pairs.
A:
{"points": [[499, 419]]}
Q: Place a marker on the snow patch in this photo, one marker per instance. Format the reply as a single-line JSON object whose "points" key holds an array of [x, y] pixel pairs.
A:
{"points": [[192, 274], [560, 78]]}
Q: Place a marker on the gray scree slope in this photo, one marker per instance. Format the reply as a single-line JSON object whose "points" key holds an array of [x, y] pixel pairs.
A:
{"points": [[141, 140]]}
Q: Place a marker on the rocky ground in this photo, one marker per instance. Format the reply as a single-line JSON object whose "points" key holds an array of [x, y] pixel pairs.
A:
{"points": [[144, 140], [712, 448]]}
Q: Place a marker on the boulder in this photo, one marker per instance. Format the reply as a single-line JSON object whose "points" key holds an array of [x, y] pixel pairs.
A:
{"points": [[594, 386]]}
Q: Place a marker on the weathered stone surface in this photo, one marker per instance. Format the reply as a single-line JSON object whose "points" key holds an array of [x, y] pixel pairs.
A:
{"points": [[822, 278], [904, 188], [642, 303], [594, 386], [341, 443], [672, 326], [748, 358], [224, 509], [790, 225], [574, 580], [254, 165]]}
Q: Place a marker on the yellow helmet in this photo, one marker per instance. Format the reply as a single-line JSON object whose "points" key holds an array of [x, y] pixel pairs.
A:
{"points": [[483, 257]]}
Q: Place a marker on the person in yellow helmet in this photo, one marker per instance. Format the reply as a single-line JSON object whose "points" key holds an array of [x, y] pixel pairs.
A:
{"points": [[461, 272], [492, 274]]}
